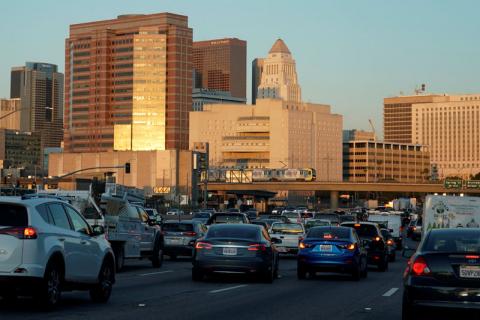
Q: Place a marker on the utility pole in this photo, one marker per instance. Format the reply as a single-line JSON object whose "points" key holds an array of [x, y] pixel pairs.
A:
{"points": [[205, 190]]}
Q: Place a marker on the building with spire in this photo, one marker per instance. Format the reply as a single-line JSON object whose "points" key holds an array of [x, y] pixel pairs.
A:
{"points": [[279, 75]]}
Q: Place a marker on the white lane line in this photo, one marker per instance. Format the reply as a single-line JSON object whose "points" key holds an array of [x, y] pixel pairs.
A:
{"points": [[226, 289], [390, 292], [153, 273]]}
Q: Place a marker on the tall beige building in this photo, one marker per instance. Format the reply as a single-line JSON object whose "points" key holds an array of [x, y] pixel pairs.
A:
{"points": [[279, 75], [13, 116], [271, 134], [448, 124]]}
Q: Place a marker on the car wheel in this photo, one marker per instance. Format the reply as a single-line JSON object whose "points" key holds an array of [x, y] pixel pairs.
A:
{"points": [[8, 297], [301, 272], [365, 268], [269, 275], [357, 272], [383, 265], [119, 252], [103, 289], [408, 310], [197, 274], [392, 257], [49, 291], [157, 257]]}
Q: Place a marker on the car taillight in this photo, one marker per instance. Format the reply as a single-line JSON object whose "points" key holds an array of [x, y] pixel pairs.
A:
{"points": [[20, 232], [257, 247], [401, 229], [303, 245], [414, 228], [203, 245], [377, 238], [189, 233], [351, 246], [419, 267], [390, 242], [472, 257]]}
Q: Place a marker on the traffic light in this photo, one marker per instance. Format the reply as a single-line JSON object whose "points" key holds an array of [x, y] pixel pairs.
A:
{"points": [[127, 167], [202, 161]]}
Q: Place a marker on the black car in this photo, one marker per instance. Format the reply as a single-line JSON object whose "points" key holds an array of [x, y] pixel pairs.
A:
{"points": [[444, 272], [332, 217], [236, 248], [251, 214], [224, 217], [369, 233], [391, 244], [347, 218]]}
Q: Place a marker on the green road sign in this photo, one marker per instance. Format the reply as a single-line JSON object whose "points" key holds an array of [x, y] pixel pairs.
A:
{"points": [[473, 184], [453, 184]]}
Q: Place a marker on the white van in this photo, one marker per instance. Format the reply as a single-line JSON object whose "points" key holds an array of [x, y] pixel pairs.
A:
{"points": [[392, 222]]}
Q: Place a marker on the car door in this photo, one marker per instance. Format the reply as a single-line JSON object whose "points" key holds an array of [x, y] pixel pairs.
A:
{"points": [[90, 255], [72, 248], [147, 232]]}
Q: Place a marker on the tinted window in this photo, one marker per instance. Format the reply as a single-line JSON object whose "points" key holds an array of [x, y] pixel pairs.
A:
{"points": [[42, 209], [13, 216], [290, 214], [330, 217], [59, 216], [233, 233], [287, 228], [142, 214], [228, 218], [177, 227], [329, 233], [78, 223], [364, 230], [464, 241], [385, 233], [202, 215]]}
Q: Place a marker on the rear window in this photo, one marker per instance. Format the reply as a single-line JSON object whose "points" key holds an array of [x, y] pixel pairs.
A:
{"points": [[287, 228], [13, 216], [290, 214], [233, 233], [364, 230], [330, 217], [228, 218], [348, 218], [385, 233], [202, 215], [464, 241], [177, 227], [317, 223], [329, 233]]}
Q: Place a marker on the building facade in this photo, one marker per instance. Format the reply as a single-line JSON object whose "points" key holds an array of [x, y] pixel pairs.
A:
{"points": [[39, 86], [271, 134], [448, 124], [200, 97], [220, 65], [257, 70], [354, 134], [370, 161], [128, 84], [20, 149], [279, 75], [12, 116]]}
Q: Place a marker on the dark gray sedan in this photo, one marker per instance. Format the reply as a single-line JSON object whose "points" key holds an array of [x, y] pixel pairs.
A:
{"points": [[180, 237]]}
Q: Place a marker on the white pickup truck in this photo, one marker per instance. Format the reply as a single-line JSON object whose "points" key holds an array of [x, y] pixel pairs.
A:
{"points": [[289, 233], [450, 212]]}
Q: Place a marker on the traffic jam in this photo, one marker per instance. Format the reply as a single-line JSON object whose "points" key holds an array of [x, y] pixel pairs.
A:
{"points": [[51, 244]]}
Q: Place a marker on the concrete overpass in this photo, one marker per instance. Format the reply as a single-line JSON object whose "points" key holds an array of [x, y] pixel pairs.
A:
{"points": [[336, 187]]}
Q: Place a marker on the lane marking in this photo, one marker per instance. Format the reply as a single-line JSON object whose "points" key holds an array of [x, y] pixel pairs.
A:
{"points": [[390, 292], [153, 273], [230, 288]]}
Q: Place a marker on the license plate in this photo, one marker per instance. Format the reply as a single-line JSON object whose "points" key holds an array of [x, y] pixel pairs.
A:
{"points": [[281, 249], [326, 248], [472, 272], [229, 251], [175, 240]]}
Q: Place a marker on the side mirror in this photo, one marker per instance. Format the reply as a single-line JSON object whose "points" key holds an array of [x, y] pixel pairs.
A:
{"points": [[276, 241], [407, 252], [98, 230]]}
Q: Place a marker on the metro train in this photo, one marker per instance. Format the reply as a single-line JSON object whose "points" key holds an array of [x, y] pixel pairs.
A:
{"points": [[260, 175]]}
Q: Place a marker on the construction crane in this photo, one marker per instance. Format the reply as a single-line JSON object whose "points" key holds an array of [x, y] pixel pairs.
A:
{"points": [[373, 129]]}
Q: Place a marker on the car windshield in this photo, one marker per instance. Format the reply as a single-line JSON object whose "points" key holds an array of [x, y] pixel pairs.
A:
{"points": [[232, 232], [364, 230], [201, 215], [177, 227], [456, 241], [228, 218], [13, 215], [287, 228], [290, 214], [328, 233]]}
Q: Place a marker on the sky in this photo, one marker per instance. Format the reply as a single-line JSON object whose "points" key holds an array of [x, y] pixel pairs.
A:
{"points": [[349, 53]]}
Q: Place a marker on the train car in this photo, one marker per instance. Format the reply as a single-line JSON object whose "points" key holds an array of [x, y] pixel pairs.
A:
{"points": [[261, 175]]}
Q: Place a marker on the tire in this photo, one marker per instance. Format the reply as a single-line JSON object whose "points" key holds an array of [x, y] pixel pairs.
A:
{"points": [[119, 252], [301, 272], [49, 291], [392, 257], [408, 310], [364, 273], [357, 273], [102, 291], [157, 255], [269, 275], [197, 274], [383, 266], [9, 297]]}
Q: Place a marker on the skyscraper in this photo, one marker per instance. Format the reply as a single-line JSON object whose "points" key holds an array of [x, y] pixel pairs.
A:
{"points": [[220, 65], [40, 89], [257, 70], [129, 84], [279, 75]]}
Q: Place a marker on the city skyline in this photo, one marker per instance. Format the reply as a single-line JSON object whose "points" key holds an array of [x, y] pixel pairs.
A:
{"points": [[344, 51]]}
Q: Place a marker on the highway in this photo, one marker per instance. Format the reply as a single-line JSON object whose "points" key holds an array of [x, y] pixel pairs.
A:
{"points": [[169, 293]]}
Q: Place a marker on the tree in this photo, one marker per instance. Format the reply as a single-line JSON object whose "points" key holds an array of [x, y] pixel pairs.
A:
{"points": [[475, 176]]}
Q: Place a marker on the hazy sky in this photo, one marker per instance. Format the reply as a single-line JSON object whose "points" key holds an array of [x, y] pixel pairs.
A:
{"points": [[350, 53]]}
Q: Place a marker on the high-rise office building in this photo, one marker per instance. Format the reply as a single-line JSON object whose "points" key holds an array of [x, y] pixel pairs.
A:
{"points": [[220, 65], [12, 116], [128, 84], [279, 76], [40, 89], [257, 70], [448, 124]]}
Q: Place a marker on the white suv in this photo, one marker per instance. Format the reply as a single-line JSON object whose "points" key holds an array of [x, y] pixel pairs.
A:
{"points": [[47, 247]]}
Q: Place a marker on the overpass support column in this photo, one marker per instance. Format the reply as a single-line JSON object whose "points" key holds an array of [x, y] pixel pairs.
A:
{"points": [[334, 200]]}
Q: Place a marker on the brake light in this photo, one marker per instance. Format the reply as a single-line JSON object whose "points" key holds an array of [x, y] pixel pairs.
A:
{"points": [[203, 245], [303, 245], [357, 225], [414, 228], [420, 267], [390, 242], [377, 238], [327, 236], [20, 232], [351, 246], [189, 233], [257, 247], [401, 229], [472, 257]]}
